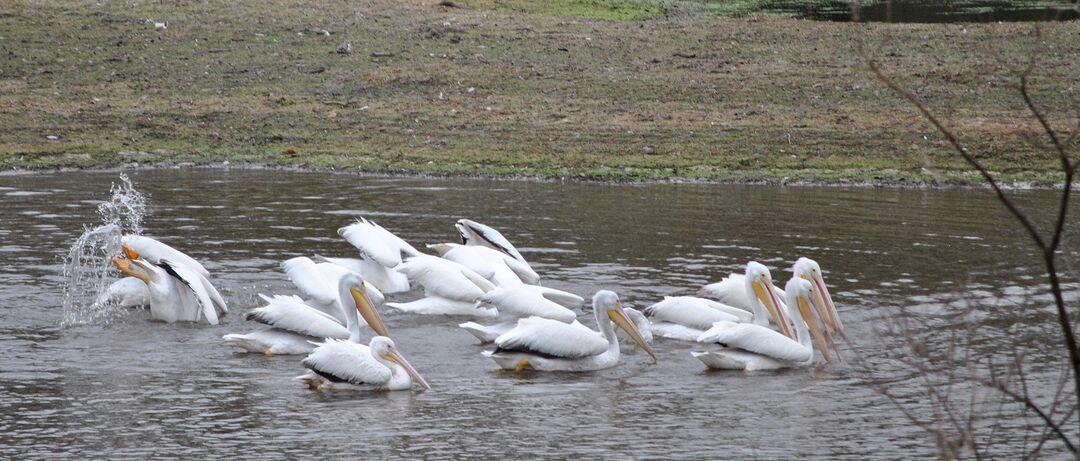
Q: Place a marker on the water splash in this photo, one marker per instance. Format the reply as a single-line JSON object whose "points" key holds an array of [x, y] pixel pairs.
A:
{"points": [[87, 270]]}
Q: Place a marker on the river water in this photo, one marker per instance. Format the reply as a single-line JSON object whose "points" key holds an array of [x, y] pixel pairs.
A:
{"points": [[140, 389]]}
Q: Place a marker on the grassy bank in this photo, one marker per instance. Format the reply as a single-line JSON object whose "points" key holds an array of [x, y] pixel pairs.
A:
{"points": [[471, 90]]}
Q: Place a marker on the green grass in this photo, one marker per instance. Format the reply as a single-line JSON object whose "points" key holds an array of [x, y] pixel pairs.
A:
{"points": [[474, 91]]}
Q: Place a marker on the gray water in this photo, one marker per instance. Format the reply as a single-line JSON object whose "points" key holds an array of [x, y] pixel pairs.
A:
{"points": [[140, 389]]}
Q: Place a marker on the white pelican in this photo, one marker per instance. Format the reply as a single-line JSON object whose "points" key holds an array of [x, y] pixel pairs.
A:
{"points": [[449, 288], [755, 347], [381, 251], [731, 290], [686, 317], [294, 322], [177, 291], [498, 267], [318, 283], [809, 269], [293, 325], [516, 302], [476, 234], [641, 322], [126, 292], [152, 251], [347, 363], [551, 345]]}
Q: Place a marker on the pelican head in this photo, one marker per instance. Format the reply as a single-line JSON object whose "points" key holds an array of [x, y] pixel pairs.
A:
{"points": [[608, 302], [133, 268], [383, 349], [759, 282], [442, 248], [358, 291], [473, 231], [809, 270], [802, 304]]}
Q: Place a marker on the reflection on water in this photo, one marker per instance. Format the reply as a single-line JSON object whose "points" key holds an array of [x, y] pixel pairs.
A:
{"points": [[133, 388]]}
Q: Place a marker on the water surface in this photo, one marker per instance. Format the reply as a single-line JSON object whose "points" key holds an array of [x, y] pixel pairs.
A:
{"points": [[140, 389]]}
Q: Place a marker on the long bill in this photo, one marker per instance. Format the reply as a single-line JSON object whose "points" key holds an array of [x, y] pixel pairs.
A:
{"points": [[130, 253], [764, 290], [808, 310], [124, 266], [367, 310], [619, 317], [821, 307], [394, 356], [827, 304]]}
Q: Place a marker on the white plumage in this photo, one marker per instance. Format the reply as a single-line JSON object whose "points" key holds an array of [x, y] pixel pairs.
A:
{"points": [[552, 338], [376, 275], [290, 313], [476, 234], [153, 251], [755, 347], [434, 305], [693, 312], [445, 279], [376, 243], [731, 290], [347, 362], [271, 342], [550, 345], [530, 300]]}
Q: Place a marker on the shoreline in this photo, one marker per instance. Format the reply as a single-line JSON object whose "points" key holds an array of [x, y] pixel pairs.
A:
{"points": [[748, 179]]}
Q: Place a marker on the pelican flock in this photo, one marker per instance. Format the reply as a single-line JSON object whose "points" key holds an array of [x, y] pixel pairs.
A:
{"points": [[744, 321]]}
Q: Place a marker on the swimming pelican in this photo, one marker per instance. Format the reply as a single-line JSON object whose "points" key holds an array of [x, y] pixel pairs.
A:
{"points": [[381, 251], [126, 292], [516, 302], [498, 267], [318, 283], [347, 363], [551, 345], [449, 288], [177, 291], [686, 317], [293, 325], [294, 322], [476, 234], [809, 269], [731, 290], [754, 347], [641, 322]]}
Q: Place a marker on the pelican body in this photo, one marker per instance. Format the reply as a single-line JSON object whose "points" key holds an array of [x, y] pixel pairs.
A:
{"points": [[550, 345], [340, 363], [754, 347]]}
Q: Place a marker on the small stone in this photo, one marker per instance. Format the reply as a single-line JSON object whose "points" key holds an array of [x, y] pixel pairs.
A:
{"points": [[344, 48], [52, 137]]}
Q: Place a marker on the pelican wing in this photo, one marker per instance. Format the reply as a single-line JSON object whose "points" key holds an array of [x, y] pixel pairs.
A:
{"points": [[340, 360], [525, 301], [562, 298], [433, 305], [731, 290], [474, 233], [290, 313], [310, 280], [444, 278], [154, 251], [376, 243], [757, 339], [552, 338], [689, 311], [195, 283], [385, 279]]}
